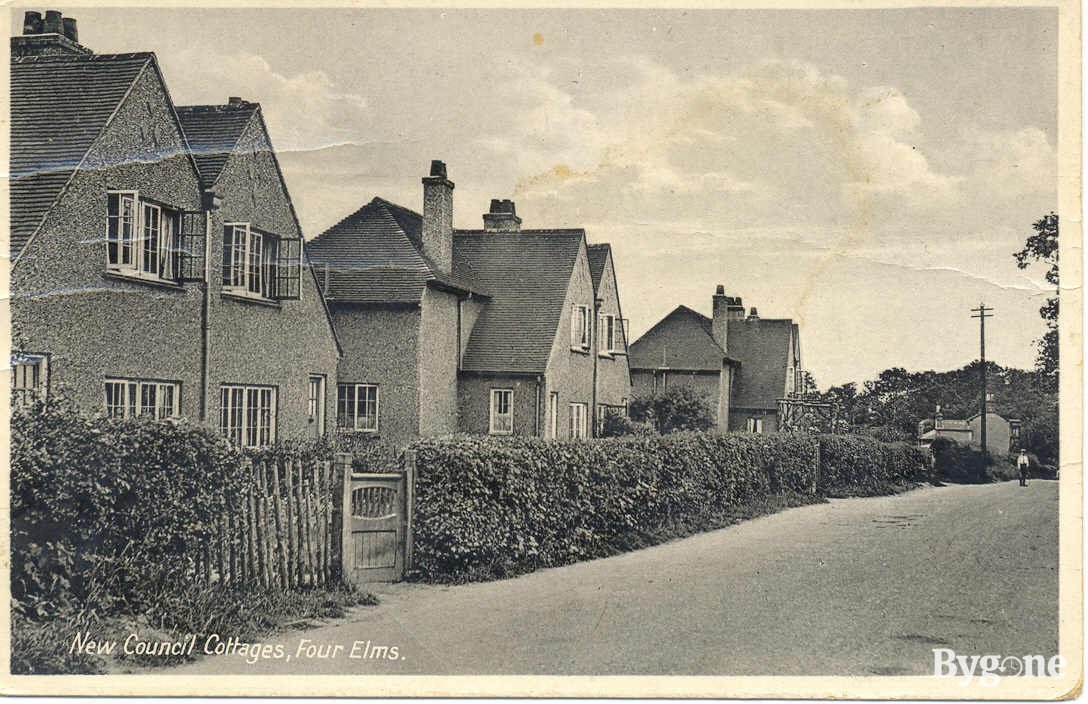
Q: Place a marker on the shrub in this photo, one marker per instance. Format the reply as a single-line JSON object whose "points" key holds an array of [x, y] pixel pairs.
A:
{"points": [[857, 465], [487, 509], [675, 409], [958, 463], [617, 425]]}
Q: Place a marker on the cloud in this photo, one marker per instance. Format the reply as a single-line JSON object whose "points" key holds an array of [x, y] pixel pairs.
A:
{"points": [[303, 110]]}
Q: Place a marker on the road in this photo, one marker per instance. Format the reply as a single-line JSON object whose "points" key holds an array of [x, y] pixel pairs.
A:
{"points": [[854, 586]]}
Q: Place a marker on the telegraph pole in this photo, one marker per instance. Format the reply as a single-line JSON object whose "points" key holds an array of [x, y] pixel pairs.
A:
{"points": [[982, 313]]}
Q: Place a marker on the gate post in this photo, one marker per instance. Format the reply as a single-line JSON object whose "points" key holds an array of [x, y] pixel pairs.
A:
{"points": [[341, 497], [409, 506]]}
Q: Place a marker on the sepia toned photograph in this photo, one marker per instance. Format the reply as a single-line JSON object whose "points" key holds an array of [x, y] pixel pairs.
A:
{"points": [[597, 352]]}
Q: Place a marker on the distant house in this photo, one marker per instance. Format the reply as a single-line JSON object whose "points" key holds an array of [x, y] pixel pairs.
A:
{"points": [[494, 331], [748, 366], [1002, 435], [156, 256]]}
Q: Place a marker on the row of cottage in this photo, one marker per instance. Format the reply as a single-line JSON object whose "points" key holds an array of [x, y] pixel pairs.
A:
{"points": [[159, 269]]}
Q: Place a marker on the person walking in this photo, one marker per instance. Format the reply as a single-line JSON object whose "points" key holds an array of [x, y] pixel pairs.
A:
{"points": [[1022, 464]]}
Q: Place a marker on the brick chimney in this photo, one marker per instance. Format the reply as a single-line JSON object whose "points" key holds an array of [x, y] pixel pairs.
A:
{"points": [[48, 36], [438, 217], [720, 318], [502, 217]]}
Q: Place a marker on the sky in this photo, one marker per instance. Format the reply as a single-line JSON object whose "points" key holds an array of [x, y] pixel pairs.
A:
{"points": [[868, 173]]}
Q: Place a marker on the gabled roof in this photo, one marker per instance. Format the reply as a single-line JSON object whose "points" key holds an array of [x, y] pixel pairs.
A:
{"points": [[527, 274], [213, 132], [374, 256], [598, 259], [762, 345], [683, 339], [59, 107]]}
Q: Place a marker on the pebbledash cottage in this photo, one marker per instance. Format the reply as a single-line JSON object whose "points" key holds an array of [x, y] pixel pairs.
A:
{"points": [[501, 330], [159, 269]]}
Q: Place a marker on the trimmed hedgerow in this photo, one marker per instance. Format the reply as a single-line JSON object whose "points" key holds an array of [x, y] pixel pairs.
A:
{"points": [[489, 508], [861, 466]]}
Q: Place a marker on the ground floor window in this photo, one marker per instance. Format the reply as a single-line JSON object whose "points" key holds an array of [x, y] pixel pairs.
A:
{"points": [[553, 414], [247, 414], [755, 425], [148, 398], [316, 401], [28, 377], [579, 427], [357, 407], [502, 412]]}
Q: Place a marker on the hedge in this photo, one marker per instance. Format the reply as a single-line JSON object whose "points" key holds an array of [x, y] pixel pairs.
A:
{"points": [[106, 513], [488, 508], [856, 465]]}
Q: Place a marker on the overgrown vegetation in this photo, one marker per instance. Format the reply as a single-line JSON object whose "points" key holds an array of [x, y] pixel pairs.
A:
{"points": [[106, 519], [852, 465]]}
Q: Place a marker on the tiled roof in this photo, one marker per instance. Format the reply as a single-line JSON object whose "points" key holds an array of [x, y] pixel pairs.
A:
{"points": [[59, 106], [598, 258], [212, 132], [527, 274], [373, 256], [762, 345], [681, 340]]}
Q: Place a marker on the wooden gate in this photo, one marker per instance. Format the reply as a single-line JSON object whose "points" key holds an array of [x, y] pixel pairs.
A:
{"points": [[376, 536]]}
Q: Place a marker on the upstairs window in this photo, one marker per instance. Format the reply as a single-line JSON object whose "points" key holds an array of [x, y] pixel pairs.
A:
{"points": [[502, 412], [142, 238], [28, 377], [260, 265], [357, 407], [131, 398], [579, 327]]}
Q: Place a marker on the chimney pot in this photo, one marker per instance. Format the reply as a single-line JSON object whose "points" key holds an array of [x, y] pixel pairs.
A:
{"points": [[235, 100], [32, 22], [752, 314], [502, 216], [720, 291], [54, 23], [70, 29], [438, 168]]}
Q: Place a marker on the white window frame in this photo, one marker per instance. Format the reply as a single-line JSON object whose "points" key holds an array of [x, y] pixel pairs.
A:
{"points": [[244, 418], [754, 425], [355, 425], [606, 333], [316, 400], [553, 415], [579, 327], [141, 230], [29, 376], [134, 392], [495, 417], [251, 264], [578, 425]]}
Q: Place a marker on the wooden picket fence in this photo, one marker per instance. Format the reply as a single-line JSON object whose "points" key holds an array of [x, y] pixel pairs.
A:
{"points": [[284, 531]]}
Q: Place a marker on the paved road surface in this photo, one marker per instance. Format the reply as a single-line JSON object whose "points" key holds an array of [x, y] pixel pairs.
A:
{"points": [[856, 586]]}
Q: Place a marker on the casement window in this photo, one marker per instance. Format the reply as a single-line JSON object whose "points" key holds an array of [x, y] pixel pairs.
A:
{"points": [[357, 407], [143, 240], [610, 335], [502, 412], [29, 374], [316, 400], [755, 425], [147, 398], [579, 422], [553, 415], [579, 327], [247, 414], [260, 265]]}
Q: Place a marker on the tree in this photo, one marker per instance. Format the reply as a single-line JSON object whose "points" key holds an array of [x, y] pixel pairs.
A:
{"points": [[1043, 247], [673, 409]]}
